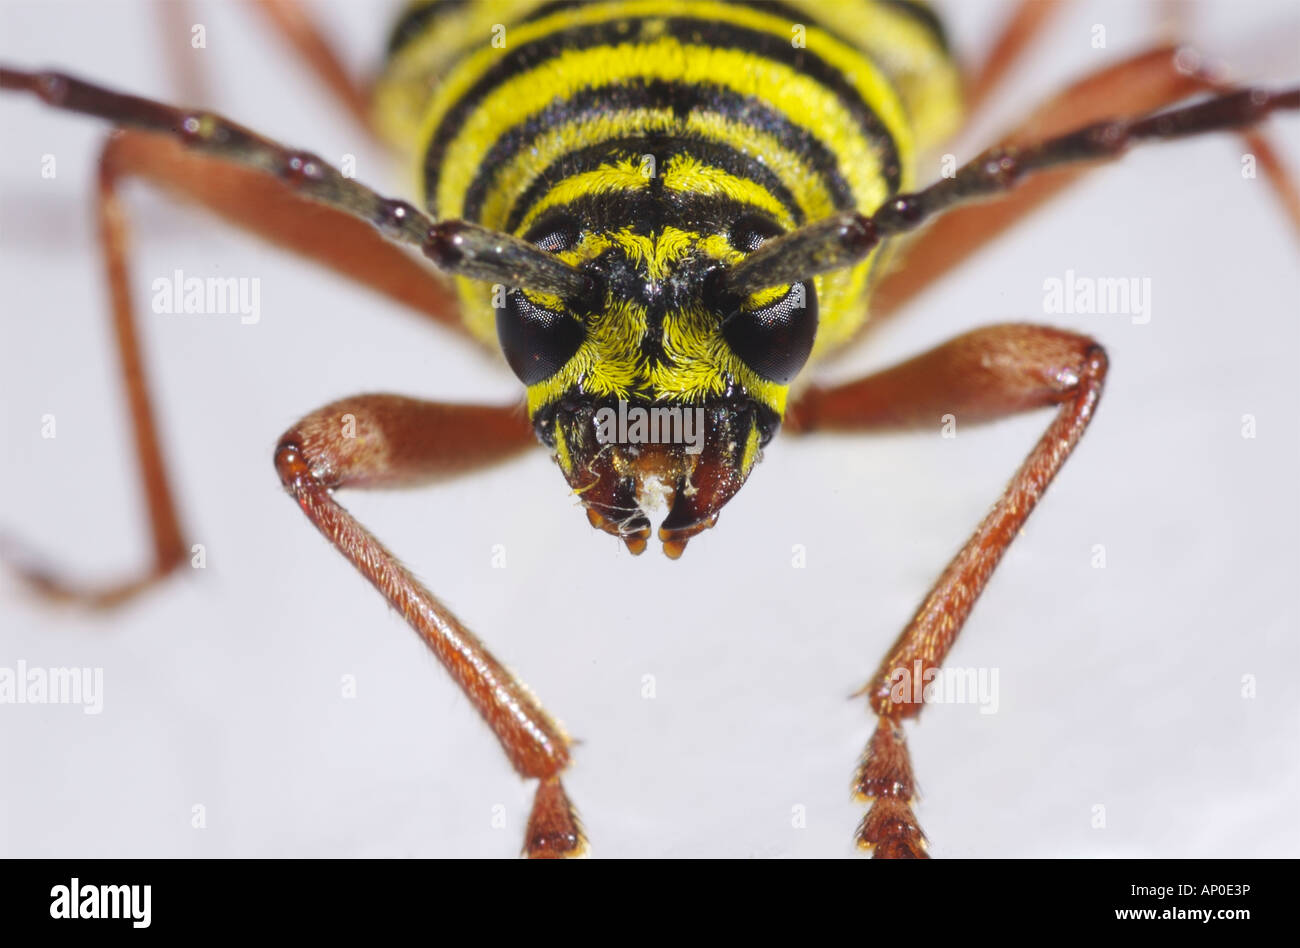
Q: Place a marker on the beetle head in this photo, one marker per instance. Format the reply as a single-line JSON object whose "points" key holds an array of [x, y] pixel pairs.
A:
{"points": [[656, 389]]}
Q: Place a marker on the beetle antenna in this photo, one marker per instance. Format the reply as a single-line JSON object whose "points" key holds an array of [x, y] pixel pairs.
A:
{"points": [[846, 239], [456, 247]]}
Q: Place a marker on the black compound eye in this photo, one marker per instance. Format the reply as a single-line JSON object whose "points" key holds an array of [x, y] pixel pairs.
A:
{"points": [[556, 234], [775, 341], [537, 342], [751, 231]]}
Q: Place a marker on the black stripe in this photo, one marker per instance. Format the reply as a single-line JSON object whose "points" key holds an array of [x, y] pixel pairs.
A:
{"points": [[920, 13], [646, 211], [682, 99], [416, 20], [664, 149], [530, 55], [555, 6]]}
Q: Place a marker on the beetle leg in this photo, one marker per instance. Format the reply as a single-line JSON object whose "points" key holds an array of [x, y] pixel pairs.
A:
{"points": [[176, 20], [274, 210], [296, 25], [1022, 27], [260, 204], [292, 23], [1148, 81], [388, 441], [980, 376], [454, 246]]}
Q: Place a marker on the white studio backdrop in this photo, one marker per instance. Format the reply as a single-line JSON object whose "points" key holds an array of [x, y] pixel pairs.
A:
{"points": [[1119, 687]]}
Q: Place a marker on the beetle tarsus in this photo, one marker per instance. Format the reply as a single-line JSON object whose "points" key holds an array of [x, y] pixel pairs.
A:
{"points": [[554, 829], [884, 777]]}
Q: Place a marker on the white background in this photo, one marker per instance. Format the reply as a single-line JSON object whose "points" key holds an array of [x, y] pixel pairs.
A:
{"points": [[1119, 686]]}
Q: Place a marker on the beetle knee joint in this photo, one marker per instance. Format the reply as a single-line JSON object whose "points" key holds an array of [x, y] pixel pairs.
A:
{"points": [[291, 464]]}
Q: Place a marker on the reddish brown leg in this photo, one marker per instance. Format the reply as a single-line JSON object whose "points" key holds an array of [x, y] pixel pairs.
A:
{"points": [[387, 441], [169, 548], [1024, 25], [295, 25], [454, 246], [1148, 81], [258, 203], [985, 374], [1176, 18], [175, 20], [267, 206], [289, 20]]}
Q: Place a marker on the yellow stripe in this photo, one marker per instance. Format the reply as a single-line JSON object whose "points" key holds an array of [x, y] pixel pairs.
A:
{"points": [[623, 176], [751, 452], [803, 100], [688, 174], [811, 195], [534, 158], [806, 101], [907, 52], [684, 173]]}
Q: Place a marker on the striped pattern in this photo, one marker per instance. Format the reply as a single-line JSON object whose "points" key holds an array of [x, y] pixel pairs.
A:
{"points": [[664, 122]]}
